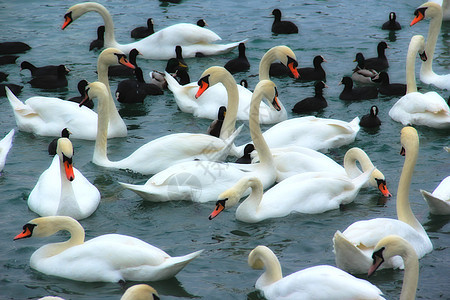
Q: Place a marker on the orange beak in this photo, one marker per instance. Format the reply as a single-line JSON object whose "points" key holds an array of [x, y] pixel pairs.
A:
{"points": [[201, 89], [67, 21], [218, 210], [125, 62], [69, 171], [294, 70], [383, 189], [26, 233], [276, 103], [376, 264], [419, 17]]}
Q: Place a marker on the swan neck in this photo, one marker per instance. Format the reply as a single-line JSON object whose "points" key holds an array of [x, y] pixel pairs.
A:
{"points": [[351, 157], [273, 271], [251, 204], [265, 156], [430, 46], [229, 122], [264, 64], [411, 86], [76, 235], [101, 141], [109, 38], [102, 71], [411, 275]]}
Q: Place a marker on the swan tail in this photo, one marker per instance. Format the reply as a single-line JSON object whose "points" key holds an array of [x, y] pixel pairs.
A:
{"points": [[147, 192], [354, 124], [437, 206], [176, 264], [229, 145], [348, 257], [17, 105], [5, 146]]}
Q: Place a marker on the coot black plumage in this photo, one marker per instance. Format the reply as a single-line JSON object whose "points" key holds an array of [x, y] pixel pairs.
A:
{"points": [[201, 23], [390, 89], [142, 31], [240, 63], [285, 27], [178, 70], [380, 62], [65, 133], [15, 88], [371, 119], [43, 71], [315, 73], [100, 41], [124, 71], [135, 90], [82, 90], [315, 103], [179, 56], [13, 47], [3, 76], [246, 158], [8, 59], [244, 83], [51, 81], [278, 69], [359, 93], [216, 125], [392, 24]]}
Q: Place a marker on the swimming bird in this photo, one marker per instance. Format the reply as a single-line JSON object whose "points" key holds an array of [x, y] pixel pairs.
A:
{"points": [[240, 63], [135, 90], [125, 71], [361, 74], [5, 146], [142, 31], [8, 59], [100, 41], [439, 201], [81, 86], [216, 126], [13, 47], [51, 81], [371, 119], [284, 27], [390, 89], [53, 144], [315, 73], [379, 63], [392, 23], [246, 158], [106, 258], [45, 70], [358, 93], [315, 103]]}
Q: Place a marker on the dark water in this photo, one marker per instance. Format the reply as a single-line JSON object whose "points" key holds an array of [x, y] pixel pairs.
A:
{"points": [[334, 29]]}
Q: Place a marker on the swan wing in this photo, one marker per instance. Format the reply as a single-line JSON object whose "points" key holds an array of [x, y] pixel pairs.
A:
{"points": [[5, 146]]}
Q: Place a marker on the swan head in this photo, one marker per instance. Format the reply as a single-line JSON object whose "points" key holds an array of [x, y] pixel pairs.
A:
{"points": [[114, 56], [286, 56], [140, 292], [76, 11], [212, 76], [377, 179], [45, 226], [269, 91], [409, 139], [425, 11], [94, 90], [64, 150]]}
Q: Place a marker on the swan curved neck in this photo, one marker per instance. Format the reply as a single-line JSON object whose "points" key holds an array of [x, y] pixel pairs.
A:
{"points": [[350, 158], [273, 271], [264, 64], [102, 71], [109, 38], [101, 141], [411, 86], [73, 227], [229, 122], [433, 33], [265, 156], [411, 276], [251, 203]]}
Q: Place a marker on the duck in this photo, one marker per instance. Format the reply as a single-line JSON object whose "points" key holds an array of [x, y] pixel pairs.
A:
{"points": [[13, 47], [427, 75], [318, 282], [395, 246], [100, 41], [158, 79], [5, 146], [350, 93], [51, 81], [65, 133], [135, 90], [315, 103], [361, 74], [428, 109], [81, 86], [283, 27], [45, 70], [353, 247], [142, 31], [118, 258], [439, 201], [47, 116], [308, 193], [392, 23], [170, 149], [240, 63], [371, 119], [216, 126], [62, 190], [390, 89], [208, 104], [179, 56], [316, 73], [189, 181], [140, 292], [246, 158], [14, 88], [8, 59], [178, 71], [125, 71], [379, 63], [159, 45]]}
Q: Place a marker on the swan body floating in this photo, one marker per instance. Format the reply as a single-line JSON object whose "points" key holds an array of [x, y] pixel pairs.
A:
{"points": [[202, 181], [5, 146], [207, 105], [309, 193], [106, 258], [192, 38], [439, 200], [427, 75], [321, 282], [47, 116], [169, 150], [62, 190], [354, 246], [392, 246], [315, 133], [428, 109]]}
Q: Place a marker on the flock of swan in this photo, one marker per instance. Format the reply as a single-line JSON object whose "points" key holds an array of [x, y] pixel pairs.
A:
{"points": [[289, 172]]}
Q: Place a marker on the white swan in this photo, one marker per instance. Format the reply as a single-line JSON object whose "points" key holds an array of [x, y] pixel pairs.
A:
{"points": [[318, 282], [392, 246], [192, 38], [428, 109], [5, 146], [290, 161], [106, 258], [171, 149], [434, 11], [353, 247], [207, 105], [309, 193], [62, 190], [140, 292], [47, 116], [310, 132], [202, 181], [439, 200]]}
